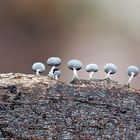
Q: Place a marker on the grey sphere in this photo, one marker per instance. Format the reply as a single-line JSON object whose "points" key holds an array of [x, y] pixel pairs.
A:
{"points": [[74, 64], [92, 68], [133, 69], [54, 61], [110, 67], [57, 72], [38, 66]]}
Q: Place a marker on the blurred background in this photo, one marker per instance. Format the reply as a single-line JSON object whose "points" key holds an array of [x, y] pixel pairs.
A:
{"points": [[93, 31]]}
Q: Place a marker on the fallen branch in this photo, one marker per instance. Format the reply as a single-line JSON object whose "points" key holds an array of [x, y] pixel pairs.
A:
{"points": [[34, 107]]}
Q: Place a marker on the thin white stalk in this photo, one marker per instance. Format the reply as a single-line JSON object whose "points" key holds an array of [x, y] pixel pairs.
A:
{"points": [[91, 75], [51, 74], [132, 75], [108, 75], [56, 77], [37, 72], [75, 75]]}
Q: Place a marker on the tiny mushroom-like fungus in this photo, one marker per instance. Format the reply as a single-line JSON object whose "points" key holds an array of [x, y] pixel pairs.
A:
{"points": [[110, 69], [57, 73], [91, 68], [38, 68], [74, 65], [53, 61], [132, 71]]}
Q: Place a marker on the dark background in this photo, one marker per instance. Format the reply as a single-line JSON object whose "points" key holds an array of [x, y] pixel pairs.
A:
{"points": [[93, 31]]}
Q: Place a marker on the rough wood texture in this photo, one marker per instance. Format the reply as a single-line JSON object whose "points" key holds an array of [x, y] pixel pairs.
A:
{"points": [[40, 108]]}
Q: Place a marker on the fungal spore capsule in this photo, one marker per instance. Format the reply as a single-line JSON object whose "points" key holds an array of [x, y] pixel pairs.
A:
{"points": [[74, 65], [56, 73], [53, 61], [91, 68], [132, 71], [110, 69], [38, 67]]}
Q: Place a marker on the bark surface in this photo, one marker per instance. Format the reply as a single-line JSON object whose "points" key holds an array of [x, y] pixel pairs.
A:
{"points": [[40, 108]]}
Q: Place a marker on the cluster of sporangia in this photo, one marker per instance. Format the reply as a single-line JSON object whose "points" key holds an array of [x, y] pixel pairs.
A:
{"points": [[75, 65]]}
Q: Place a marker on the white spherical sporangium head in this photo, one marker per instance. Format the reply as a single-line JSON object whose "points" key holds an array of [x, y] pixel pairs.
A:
{"points": [[54, 61], [57, 72], [132, 69], [74, 64], [110, 68], [92, 68], [38, 66]]}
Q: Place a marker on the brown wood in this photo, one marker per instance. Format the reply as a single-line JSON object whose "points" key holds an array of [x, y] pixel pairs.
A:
{"points": [[34, 107]]}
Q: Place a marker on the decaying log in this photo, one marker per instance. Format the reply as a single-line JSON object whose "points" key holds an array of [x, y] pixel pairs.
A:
{"points": [[40, 108]]}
